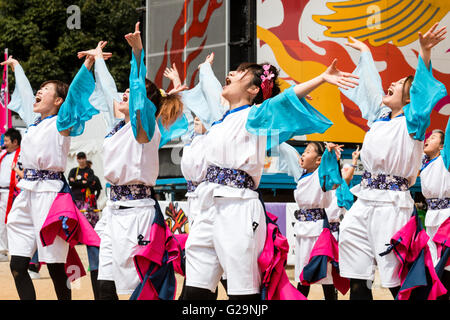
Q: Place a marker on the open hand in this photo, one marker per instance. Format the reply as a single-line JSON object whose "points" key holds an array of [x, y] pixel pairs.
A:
{"points": [[432, 37], [341, 79], [358, 45], [95, 53], [10, 62], [173, 75], [337, 148]]}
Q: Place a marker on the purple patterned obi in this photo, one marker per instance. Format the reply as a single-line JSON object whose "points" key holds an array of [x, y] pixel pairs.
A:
{"points": [[438, 204], [334, 226], [191, 186], [116, 128], [130, 192], [309, 214], [229, 177], [39, 175], [384, 182]]}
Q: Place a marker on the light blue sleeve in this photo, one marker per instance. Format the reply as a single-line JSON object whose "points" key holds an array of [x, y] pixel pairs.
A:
{"points": [[446, 150], [105, 93], [288, 161], [76, 109], [140, 106], [22, 99], [204, 100], [344, 196], [284, 116], [425, 92], [176, 130], [369, 93], [329, 171]]}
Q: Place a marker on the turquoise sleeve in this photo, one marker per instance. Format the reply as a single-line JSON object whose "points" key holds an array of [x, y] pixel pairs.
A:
{"points": [[425, 92], [176, 130], [77, 109], [329, 171], [344, 196], [284, 116], [142, 110]]}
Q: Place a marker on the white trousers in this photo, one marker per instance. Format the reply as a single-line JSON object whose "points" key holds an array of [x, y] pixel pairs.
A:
{"points": [[4, 193], [364, 232], [25, 220], [227, 238], [119, 230]]}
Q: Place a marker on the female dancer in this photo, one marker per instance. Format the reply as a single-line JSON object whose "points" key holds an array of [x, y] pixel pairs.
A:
{"points": [[391, 155], [129, 213], [435, 182], [57, 112], [312, 197], [229, 231]]}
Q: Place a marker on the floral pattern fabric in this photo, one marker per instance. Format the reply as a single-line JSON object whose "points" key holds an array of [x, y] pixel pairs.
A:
{"points": [[35, 175], [116, 128], [309, 214], [191, 186], [438, 204], [334, 226], [229, 177], [384, 182], [130, 192], [88, 211]]}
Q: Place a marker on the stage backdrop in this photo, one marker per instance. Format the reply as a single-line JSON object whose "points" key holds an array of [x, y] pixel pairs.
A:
{"points": [[303, 37]]}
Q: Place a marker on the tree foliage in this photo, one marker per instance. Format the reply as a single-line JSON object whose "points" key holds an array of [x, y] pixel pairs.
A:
{"points": [[36, 33]]}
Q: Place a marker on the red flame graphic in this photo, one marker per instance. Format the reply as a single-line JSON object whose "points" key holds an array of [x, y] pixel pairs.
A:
{"points": [[180, 39]]}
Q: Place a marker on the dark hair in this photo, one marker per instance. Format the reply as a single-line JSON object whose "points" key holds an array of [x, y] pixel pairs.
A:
{"points": [[14, 134], [168, 108], [61, 88], [319, 146], [406, 89], [81, 155], [257, 70], [441, 134]]}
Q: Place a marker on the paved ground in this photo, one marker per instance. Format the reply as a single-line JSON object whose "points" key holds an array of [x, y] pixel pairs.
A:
{"points": [[81, 289]]}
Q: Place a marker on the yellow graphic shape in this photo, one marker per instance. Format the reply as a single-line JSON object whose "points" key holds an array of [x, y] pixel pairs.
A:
{"points": [[382, 21], [326, 98]]}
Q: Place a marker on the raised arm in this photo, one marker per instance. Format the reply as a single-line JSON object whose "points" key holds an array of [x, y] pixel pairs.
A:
{"points": [[347, 175], [368, 95], [429, 40], [105, 97], [425, 90], [204, 100], [142, 110], [22, 99], [332, 75], [76, 108]]}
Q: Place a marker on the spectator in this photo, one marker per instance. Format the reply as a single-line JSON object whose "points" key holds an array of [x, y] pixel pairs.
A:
{"points": [[8, 180], [96, 185]]}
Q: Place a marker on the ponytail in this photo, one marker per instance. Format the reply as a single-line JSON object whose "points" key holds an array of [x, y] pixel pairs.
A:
{"points": [[168, 107]]}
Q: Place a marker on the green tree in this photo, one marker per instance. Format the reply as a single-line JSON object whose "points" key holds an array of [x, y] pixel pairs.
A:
{"points": [[36, 33]]}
